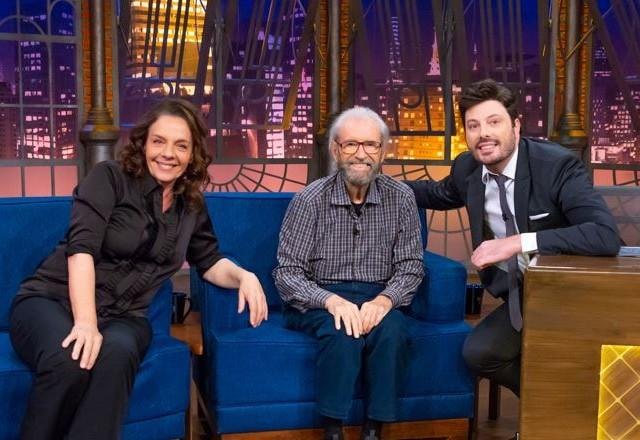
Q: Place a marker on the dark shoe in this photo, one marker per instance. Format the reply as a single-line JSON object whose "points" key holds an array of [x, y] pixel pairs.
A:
{"points": [[370, 434], [333, 434], [371, 430]]}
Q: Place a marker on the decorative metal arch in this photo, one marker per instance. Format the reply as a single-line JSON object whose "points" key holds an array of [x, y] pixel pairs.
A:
{"points": [[258, 177]]}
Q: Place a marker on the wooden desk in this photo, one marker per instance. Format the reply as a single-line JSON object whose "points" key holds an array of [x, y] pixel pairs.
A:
{"points": [[572, 307]]}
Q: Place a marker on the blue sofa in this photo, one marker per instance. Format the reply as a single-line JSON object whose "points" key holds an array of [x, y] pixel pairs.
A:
{"points": [[263, 379], [29, 230]]}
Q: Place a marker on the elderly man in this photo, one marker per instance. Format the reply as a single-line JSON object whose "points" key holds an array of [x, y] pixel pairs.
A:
{"points": [[350, 254]]}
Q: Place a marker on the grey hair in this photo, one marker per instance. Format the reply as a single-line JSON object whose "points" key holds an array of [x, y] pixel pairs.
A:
{"points": [[359, 113]]}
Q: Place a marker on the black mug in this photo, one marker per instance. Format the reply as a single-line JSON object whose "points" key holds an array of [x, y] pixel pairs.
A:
{"points": [[473, 303], [180, 308]]}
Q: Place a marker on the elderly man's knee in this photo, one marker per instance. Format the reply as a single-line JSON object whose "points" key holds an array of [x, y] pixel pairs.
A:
{"points": [[340, 340], [393, 325]]}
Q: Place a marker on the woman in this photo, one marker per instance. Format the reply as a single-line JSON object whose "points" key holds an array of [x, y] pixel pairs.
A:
{"points": [[80, 321]]}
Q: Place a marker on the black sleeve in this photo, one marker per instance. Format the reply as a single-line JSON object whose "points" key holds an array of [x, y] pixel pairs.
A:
{"points": [[592, 229], [203, 251], [93, 201]]}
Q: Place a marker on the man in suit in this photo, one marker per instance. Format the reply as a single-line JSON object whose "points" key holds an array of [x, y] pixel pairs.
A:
{"points": [[555, 211]]}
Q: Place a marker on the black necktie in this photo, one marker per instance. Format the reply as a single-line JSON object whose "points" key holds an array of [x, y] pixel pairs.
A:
{"points": [[512, 263]]}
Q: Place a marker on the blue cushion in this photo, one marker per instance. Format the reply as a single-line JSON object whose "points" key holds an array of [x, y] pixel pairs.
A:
{"points": [[159, 312], [15, 382], [441, 295], [301, 415], [273, 364], [41, 222], [160, 428], [436, 365], [160, 388], [267, 364], [272, 368], [253, 244], [276, 416]]}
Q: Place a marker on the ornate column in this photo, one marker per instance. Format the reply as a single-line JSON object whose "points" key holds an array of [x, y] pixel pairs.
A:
{"points": [[570, 128], [329, 165], [98, 135], [327, 80]]}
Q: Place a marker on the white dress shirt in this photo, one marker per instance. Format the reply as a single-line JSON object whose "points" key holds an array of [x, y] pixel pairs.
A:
{"points": [[493, 212]]}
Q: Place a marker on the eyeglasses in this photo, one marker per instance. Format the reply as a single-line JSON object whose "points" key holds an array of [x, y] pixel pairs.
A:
{"points": [[351, 146]]}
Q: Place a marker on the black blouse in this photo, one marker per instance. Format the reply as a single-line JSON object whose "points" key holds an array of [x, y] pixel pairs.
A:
{"points": [[118, 219]]}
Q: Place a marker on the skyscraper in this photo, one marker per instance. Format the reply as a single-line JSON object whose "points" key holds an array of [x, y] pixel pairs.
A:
{"points": [[614, 139], [8, 124], [164, 45], [422, 110]]}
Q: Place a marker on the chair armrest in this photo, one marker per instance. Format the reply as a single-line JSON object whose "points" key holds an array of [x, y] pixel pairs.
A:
{"points": [[441, 295], [159, 312], [197, 283], [196, 287], [219, 308]]}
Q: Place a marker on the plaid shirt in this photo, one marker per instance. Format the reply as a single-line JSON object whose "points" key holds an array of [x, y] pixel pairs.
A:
{"points": [[323, 241]]}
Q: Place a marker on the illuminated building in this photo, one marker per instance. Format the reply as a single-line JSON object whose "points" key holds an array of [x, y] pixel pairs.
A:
{"points": [[613, 137], [412, 112], [531, 109], [297, 142], [37, 63], [8, 124], [35, 89], [64, 90], [148, 53], [299, 139]]}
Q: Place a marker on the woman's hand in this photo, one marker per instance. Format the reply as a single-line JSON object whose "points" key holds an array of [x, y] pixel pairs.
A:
{"points": [[227, 274], [250, 292], [88, 341], [82, 283]]}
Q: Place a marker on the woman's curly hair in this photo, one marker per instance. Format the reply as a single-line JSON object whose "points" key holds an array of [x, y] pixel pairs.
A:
{"points": [[196, 176]]}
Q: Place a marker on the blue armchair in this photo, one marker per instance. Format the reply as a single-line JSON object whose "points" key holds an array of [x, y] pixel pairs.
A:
{"points": [[29, 230], [263, 379]]}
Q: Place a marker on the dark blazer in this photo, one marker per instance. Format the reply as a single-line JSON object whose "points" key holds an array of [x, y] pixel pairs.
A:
{"points": [[549, 180]]}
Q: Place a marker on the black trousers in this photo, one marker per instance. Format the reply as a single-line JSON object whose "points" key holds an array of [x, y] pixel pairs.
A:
{"points": [[493, 348], [67, 401], [382, 355]]}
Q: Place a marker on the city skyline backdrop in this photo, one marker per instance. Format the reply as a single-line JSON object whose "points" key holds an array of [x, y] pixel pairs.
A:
{"points": [[265, 61], [39, 87]]}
